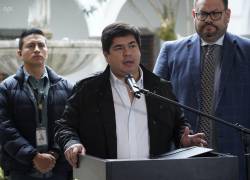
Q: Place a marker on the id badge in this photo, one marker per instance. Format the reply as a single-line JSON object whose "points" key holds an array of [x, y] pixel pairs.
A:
{"points": [[41, 136]]}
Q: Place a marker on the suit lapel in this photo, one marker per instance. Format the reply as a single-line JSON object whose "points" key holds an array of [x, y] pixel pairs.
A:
{"points": [[107, 113], [226, 65], [193, 58], [20, 77], [150, 84]]}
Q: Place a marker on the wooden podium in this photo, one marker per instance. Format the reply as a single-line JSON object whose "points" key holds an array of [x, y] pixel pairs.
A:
{"points": [[193, 163]]}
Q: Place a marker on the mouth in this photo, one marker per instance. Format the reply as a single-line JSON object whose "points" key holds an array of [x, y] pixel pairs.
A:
{"points": [[209, 26], [37, 57], [128, 62]]}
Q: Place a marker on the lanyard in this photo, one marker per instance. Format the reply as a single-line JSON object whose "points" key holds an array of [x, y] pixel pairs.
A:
{"points": [[40, 102], [40, 96]]}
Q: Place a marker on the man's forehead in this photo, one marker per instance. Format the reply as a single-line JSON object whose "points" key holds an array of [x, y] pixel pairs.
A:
{"points": [[35, 38], [123, 40], [207, 5]]}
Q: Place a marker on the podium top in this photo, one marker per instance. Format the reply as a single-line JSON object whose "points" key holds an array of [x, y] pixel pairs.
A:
{"points": [[183, 153], [173, 165]]}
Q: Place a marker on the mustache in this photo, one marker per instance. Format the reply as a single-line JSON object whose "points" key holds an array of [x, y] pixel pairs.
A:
{"points": [[209, 24]]}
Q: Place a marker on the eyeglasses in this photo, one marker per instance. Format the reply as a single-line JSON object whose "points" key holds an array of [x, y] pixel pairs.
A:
{"points": [[215, 16]]}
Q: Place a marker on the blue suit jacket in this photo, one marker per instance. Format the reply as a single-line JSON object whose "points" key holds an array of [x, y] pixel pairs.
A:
{"points": [[179, 62]]}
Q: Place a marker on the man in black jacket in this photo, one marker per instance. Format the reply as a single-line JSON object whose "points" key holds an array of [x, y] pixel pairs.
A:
{"points": [[103, 118], [30, 102]]}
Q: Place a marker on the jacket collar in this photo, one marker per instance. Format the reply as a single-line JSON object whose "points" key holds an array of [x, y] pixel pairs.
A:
{"points": [[53, 77], [228, 58], [150, 85], [193, 60]]}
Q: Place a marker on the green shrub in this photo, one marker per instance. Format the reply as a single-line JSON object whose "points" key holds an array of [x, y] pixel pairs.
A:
{"points": [[167, 30], [1, 174]]}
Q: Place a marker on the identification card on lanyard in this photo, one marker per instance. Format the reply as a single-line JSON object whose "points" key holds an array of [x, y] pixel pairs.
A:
{"points": [[41, 136]]}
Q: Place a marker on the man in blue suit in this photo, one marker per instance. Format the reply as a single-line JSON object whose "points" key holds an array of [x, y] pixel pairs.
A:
{"points": [[181, 62]]}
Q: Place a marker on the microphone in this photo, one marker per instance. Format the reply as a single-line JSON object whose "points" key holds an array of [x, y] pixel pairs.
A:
{"points": [[132, 85]]}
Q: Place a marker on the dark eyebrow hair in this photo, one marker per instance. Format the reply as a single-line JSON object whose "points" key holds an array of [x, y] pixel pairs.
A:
{"points": [[116, 45], [216, 10], [131, 42]]}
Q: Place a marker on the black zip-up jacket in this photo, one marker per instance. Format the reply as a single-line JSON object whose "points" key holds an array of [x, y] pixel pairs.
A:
{"points": [[18, 120], [89, 117]]}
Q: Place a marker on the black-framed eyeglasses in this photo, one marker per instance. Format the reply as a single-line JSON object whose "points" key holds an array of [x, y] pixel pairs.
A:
{"points": [[214, 15]]}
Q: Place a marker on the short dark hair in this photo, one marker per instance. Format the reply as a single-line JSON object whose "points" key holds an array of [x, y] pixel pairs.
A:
{"points": [[225, 2], [118, 29], [26, 33]]}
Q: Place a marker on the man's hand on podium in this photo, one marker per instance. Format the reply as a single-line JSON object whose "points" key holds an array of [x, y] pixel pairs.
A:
{"points": [[197, 139], [72, 154]]}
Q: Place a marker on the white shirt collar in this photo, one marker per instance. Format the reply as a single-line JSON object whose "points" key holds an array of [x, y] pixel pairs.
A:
{"points": [[115, 80], [218, 42]]}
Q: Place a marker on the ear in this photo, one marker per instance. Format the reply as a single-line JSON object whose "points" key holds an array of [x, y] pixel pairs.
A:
{"points": [[106, 56], [228, 14], [19, 52], [193, 13]]}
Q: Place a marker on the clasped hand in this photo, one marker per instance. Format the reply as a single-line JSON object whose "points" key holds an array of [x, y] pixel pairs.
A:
{"points": [[44, 162]]}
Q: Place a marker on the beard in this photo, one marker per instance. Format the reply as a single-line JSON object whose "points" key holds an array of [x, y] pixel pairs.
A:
{"points": [[209, 29], [209, 32]]}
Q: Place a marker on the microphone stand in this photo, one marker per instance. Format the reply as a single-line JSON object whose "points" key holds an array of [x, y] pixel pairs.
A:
{"points": [[245, 132]]}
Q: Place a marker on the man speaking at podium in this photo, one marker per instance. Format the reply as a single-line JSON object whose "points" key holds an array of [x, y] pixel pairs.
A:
{"points": [[103, 118]]}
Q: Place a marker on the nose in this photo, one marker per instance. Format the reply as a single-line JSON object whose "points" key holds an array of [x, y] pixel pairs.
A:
{"points": [[36, 49], [208, 19], [126, 50]]}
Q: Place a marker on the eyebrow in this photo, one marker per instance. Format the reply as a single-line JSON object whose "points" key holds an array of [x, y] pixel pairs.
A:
{"points": [[33, 43], [131, 42], [215, 10]]}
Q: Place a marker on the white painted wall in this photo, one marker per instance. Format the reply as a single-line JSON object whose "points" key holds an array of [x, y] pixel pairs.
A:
{"points": [[239, 23], [184, 23], [14, 13], [68, 20], [139, 13]]}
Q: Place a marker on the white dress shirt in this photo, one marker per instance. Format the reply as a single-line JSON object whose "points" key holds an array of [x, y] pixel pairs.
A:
{"points": [[131, 121]]}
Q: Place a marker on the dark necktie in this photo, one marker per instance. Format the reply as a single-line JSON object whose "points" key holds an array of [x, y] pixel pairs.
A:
{"points": [[207, 92]]}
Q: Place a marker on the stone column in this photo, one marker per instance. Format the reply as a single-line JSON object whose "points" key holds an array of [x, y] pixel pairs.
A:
{"points": [[39, 16]]}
